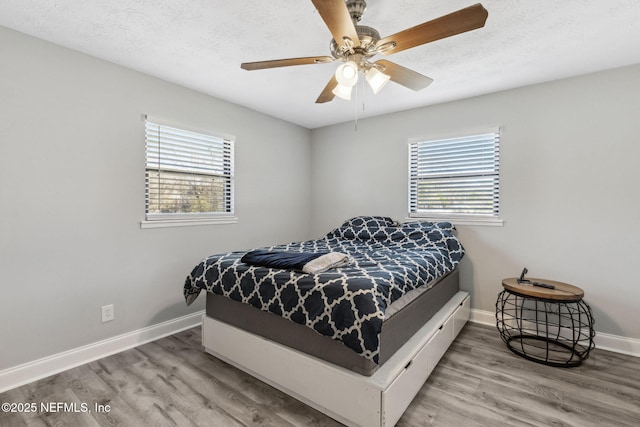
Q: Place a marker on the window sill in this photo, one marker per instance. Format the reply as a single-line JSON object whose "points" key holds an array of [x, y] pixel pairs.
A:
{"points": [[162, 223], [489, 222]]}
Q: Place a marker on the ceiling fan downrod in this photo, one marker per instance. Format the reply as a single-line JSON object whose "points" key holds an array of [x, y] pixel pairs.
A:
{"points": [[356, 9]]}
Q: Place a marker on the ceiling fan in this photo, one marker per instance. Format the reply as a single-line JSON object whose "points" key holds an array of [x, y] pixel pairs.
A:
{"points": [[356, 44]]}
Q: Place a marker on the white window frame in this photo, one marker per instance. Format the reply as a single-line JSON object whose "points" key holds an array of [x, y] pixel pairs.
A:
{"points": [[156, 220], [484, 173]]}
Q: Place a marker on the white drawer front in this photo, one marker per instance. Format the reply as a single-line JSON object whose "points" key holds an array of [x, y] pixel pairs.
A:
{"points": [[440, 343], [461, 316], [397, 397]]}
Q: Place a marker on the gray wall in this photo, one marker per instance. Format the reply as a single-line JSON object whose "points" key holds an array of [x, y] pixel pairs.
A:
{"points": [[569, 185], [72, 197]]}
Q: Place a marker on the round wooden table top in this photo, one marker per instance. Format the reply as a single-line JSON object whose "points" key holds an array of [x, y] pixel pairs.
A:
{"points": [[562, 291]]}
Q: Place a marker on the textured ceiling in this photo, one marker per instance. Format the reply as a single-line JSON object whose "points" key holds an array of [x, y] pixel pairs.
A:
{"points": [[201, 43]]}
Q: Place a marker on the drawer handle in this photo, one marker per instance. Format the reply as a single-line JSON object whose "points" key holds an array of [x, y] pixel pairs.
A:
{"points": [[408, 364], [441, 326]]}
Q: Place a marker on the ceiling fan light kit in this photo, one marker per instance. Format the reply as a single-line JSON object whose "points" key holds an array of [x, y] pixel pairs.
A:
{"points": [[347, 77], [356, 44]]}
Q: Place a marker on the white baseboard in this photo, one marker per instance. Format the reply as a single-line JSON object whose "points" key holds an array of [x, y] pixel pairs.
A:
{"points": [[42, 368], [483, 317], [615, 343]]}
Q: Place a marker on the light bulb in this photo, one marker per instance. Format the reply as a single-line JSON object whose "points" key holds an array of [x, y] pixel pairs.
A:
{"points": [[347, 74]]}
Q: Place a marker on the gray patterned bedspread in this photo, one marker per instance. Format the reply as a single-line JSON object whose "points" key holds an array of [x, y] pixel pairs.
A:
{"points": [[348, 303]]}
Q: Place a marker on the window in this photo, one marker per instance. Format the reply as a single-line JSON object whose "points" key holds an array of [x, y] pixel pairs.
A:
{"points": [[455, 177], [189, 175]]}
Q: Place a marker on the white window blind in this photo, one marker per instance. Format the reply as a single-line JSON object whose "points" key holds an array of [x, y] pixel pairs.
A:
{"points": [[189, 175], [455, 177]]}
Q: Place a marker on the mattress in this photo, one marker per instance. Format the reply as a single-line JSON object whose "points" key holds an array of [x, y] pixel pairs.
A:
{"points": [[404, 317]]}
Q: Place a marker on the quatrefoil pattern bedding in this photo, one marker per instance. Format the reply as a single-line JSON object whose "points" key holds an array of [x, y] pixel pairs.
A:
{"points": [[347, 303]]}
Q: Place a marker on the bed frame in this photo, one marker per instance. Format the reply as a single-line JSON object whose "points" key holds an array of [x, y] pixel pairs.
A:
{"points": [[348, 397]]}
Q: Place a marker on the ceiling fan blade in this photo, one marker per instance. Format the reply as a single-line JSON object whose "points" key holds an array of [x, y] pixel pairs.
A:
{"points": [[336, 16], [261, 65], [404, 76], [327, 93], [467, 19]]}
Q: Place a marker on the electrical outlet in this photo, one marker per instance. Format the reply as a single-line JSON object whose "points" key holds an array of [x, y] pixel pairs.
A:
{"points": [[107, 313]]}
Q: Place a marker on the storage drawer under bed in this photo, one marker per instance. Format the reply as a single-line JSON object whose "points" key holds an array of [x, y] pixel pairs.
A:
{"points": [[415, 373], [355, 400]]}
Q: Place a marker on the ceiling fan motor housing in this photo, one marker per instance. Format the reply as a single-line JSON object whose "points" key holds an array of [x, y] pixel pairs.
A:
{"points": [[368, 37]]}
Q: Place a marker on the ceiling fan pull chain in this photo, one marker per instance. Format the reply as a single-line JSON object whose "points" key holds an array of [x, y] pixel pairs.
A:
{"points": [[362, 87], [356, 108]]}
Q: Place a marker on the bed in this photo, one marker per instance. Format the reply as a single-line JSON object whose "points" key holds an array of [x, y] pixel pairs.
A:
{"points": [[356, 341]]}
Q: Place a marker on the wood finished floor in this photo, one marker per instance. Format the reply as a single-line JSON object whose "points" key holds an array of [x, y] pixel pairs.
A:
{"points": [[172, 382]]}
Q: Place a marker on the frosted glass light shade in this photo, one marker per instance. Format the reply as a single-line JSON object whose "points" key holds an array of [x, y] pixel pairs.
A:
{"points": [[376, 79], [342, 91], [347, 74]]}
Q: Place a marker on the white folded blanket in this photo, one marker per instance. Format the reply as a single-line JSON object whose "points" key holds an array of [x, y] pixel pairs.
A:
{"points": [[326, 262]]}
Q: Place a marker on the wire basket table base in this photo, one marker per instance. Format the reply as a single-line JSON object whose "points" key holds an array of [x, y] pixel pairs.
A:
{"points": [[551, 332]]}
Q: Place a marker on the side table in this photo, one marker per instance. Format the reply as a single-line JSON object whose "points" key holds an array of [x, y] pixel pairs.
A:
{"points": [[549, 326]]}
